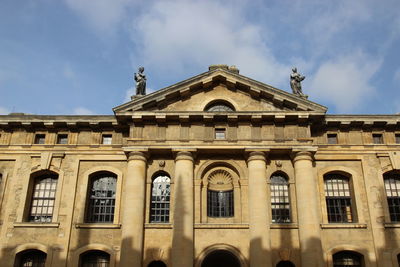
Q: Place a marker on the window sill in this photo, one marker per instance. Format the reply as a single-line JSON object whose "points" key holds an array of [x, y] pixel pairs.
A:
{"points": [[97, 226], [221, 226], [343, 225], [284, 226], [392, 225], [35, 225], [158, 226]]}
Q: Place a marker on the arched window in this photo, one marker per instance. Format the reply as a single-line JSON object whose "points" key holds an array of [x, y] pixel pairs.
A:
{"points": [[95, 258], [347, 258], [285, 264], [338, 198], [160, 198], [157, 264], [43, 198], [30, 258], [219, 106], [220, 194], [280, 202], [101, 199], [392, 188]]}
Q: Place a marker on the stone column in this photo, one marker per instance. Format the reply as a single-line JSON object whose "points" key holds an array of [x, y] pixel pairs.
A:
{"points": [[308, 207], [182, 242], [259, 214], [134, 210]]}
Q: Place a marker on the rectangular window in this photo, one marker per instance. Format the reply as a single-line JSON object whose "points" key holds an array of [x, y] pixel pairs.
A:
{"points": [[332, 139], [338, 199], [220, 204], [377, 138], [392, 187], [220, 133], [62, 139], [43, 199], [39, 139], [106, 139], [397, 136]]}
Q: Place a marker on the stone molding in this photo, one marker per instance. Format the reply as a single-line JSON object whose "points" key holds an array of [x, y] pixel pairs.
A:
{"points": [[256, 155], [184, 155]]}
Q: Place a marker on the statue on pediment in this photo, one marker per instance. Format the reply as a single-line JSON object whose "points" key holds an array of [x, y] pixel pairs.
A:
{"points": [[140, 79], [295, 82]]}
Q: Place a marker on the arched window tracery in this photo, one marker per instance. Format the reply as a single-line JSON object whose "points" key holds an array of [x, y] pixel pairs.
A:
{"points": [[95, 258], [219, 106], [347, 259], [220, 200]]}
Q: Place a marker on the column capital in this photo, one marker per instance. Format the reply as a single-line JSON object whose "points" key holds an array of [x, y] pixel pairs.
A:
{"points": [[184, 155], [256, 155], [302, 155], [137, 155]]}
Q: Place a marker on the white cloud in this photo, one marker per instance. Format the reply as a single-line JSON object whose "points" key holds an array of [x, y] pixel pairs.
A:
{"points": [[103, 15], [181, 34], [345, 81], [129, 92], [82, 111], [4, 111]]}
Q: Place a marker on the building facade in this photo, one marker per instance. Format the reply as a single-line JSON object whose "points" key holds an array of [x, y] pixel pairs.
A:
{"points": [[217, 170]]}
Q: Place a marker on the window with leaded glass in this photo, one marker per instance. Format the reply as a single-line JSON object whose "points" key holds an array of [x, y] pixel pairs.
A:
{"points": [[95, 258], [160, 199], [101, 200], [338, 198], [347, 259], [220, 201], [219, 106], [392, 188], [280, 202], [43, 198], [31, 258]]}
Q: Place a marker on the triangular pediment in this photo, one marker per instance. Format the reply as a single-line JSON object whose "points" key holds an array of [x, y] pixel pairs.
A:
{"points": [[194, 94]]}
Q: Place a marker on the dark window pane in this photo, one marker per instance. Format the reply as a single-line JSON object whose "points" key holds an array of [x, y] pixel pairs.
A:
{"points": [[220, 133], [95, 259], [160, 196], [62, 139], [378, 138], [332, 139], [34, 258], [220, 107], [220, 203], [102, 199], [397, 136], [280, 203], [392, 188], [347, 258], [39, 139], [338, 198]]}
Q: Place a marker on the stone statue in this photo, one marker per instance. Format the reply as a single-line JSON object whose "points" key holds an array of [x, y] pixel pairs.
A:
{"points": [[295, 82], [140, 79]]}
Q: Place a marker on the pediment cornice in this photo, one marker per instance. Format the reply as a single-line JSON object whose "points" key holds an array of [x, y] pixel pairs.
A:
{"points": [[206, 81]]}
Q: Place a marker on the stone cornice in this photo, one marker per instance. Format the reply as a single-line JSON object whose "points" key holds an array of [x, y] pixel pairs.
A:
{"points": [[205, 80]]}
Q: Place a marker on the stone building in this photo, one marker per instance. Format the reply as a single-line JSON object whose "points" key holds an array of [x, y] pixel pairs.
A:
{"points": [[217, 170]]}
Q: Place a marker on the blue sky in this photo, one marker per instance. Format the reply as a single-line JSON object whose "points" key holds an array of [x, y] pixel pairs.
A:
{"points": [[78, 56]]}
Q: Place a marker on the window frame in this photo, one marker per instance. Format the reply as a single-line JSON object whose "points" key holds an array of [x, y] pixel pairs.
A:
{"points": [[353, 205], [61, 136], [375, 141], [106, 136], [19, 257], [330, 137], [203, 186], [92, 178], [289, 203], [94, 251], [155, 176], [349, 252], [219, 102], [38, 137], [387, 176], [24, 210], [219, 130]]}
